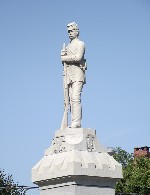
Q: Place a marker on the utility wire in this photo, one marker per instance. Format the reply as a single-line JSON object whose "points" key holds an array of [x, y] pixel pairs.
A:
{"points": [[18, 187]]}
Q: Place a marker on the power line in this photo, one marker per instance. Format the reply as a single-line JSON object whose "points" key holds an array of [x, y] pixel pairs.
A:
{"points": [[18, 187]]}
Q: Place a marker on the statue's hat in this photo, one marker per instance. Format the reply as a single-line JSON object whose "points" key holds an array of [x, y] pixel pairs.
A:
{"points": [[70, 25]]}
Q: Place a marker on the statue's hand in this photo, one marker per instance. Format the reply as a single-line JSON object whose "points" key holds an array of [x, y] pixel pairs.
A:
{"points": [[63, 58], [63, 52], [63, 55]]}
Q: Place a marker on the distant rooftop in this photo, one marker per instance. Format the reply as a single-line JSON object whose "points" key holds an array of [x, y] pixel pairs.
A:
{"points": [[142, 151]]}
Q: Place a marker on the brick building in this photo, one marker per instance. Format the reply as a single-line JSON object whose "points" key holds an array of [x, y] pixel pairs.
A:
{"points": [[142, 151]]}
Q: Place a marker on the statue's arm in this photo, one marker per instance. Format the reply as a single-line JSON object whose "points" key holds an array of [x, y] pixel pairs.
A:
{"points": [[77, 57]]}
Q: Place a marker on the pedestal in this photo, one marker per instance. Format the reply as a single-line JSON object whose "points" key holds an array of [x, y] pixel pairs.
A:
{"points": [[76, 164]]}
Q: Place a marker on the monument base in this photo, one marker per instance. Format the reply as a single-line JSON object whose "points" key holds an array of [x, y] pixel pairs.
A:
{"points": [[76, 164], [78, 190], [77, 185]]}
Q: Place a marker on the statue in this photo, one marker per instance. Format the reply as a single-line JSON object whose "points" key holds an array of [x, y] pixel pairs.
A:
{"points": [[74, 64], [75, 163]]}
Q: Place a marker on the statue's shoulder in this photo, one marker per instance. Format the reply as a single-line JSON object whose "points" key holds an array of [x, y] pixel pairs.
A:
{"points": [[81, 43]]}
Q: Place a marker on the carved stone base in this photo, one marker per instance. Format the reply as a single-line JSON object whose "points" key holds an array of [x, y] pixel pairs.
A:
{"points": [[76, 164], [78, 185]]}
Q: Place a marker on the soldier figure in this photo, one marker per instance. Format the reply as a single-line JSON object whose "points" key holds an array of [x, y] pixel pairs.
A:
{"points": [[74, 66]]}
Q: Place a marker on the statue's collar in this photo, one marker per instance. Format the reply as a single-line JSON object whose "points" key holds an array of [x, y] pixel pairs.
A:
{"points": [[74, 40]]}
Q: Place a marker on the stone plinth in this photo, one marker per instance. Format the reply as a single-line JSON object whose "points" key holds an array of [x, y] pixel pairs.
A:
{"points": [[76, 164]]}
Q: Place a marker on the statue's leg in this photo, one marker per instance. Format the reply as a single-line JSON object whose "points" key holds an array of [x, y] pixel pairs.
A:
{"points": [[76, 110], [70, 94]]}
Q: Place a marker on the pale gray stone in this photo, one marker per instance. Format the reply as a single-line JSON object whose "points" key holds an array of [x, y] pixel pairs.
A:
{"points": [[75, 139], [74, 64], [80, 185], [76, 161]]}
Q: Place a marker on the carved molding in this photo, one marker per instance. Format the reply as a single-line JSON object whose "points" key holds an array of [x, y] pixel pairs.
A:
{"points": [[90, 143], [59, 144]]}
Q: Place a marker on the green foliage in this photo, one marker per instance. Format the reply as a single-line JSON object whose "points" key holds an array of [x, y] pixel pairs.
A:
{"points": [[136, 174], [122, 156], [7, 185]]}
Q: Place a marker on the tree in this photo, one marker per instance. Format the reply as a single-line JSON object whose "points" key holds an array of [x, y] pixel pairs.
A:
{"points": [[7, 185], [136, 173], [122, 156]]}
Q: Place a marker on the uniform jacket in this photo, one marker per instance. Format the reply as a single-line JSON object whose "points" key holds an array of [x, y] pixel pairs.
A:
{"points": [[74, 59]]}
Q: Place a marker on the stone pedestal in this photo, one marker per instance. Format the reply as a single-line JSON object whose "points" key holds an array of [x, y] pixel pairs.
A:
{"points": [[76, 164]]}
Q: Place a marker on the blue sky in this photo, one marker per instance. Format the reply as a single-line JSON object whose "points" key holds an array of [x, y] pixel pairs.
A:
{"points": [[116, 98]]}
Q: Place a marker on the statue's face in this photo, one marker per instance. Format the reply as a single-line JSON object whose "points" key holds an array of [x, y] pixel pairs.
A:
{"points": [[72, 32]]}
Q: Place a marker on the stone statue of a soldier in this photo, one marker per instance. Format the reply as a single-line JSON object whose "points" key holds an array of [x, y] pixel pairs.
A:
{"points": [[74, 63]]}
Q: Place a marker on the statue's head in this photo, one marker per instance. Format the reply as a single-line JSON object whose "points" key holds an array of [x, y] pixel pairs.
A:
{"points": [[73, 30]]}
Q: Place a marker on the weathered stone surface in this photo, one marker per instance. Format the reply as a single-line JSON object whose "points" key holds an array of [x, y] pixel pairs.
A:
{"points": [[75, 139], [74, 65], [76, 161], [79, 185]]}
